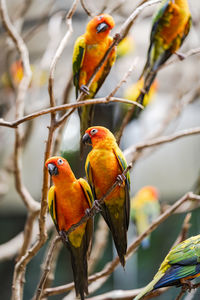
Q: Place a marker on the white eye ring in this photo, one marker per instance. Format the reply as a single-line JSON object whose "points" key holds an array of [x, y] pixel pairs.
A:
{"points": [[93, 131], [60, 161]]}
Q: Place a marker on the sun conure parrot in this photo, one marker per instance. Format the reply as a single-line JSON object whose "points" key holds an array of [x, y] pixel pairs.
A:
{"points": [[103, 165], [171, 25], [89, 49], [180, 265], [68, 199], [145, 208]]}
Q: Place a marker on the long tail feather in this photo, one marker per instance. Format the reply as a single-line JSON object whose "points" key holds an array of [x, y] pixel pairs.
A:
{"points": [[118, 230], [79, 267], [149, 287]]}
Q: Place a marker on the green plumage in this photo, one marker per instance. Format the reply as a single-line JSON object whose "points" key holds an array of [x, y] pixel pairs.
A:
{"points": [[170, 26], [182, 261]]}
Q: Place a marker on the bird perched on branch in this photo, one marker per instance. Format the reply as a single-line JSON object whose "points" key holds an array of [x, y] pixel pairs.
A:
{"points": [[89, 50], [145, 208], [181, 265], [68, 199], [104, 164], [170, 27]]}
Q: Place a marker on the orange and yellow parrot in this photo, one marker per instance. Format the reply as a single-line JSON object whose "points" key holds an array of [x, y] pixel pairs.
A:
{"points": [[181, 265], [68, 199], [89, 49], [104, 164], [170, 27], [145, 208]]}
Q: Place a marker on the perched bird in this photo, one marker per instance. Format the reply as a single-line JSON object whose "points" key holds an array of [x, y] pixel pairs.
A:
{"points": [[105, 162], [145, 208], [89, 49], [180, 265], [68, 199], [170, 27]]}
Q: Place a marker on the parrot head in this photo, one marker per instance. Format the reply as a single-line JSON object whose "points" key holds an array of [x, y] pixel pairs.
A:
{"points": [[100, 25], [98, 136], [146, 194], [58, 167]]}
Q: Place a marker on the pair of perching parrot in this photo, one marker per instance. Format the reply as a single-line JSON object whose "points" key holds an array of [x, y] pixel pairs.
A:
{"points": [[170, 27], [69, 199]]}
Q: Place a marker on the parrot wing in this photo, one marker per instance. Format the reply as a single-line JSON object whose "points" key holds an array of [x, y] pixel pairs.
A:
{"points": [[89, 227], [52, 204], [185, 253], [78, 56], [87, 191], [88, 171], [183, 261], [123, 165]]}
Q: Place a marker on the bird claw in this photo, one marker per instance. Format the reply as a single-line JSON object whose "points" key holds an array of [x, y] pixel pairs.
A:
{"points": [[88, 212], [84, 89], [97, 205], [186, 285], [63, 236], [121, 178], [181, 56]]}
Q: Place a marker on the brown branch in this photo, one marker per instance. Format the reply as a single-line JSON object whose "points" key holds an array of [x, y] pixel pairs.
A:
{"points": [[109, 268], [54, 109], [88, 12], [132, 153], [46, 268]]}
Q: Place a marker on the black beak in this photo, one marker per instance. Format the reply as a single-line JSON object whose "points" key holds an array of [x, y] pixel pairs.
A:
{"points": [[102, 27], [86, 139], [53, 170]]}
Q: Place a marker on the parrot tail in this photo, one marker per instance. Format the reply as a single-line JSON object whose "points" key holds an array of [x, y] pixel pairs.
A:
{"points": [[148, 80], [79, 267], [149, 287], [118, 228]]}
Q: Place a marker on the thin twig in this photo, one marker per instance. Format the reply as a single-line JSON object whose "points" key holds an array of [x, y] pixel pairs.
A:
{"points": [[46, 268], [54, 109]]}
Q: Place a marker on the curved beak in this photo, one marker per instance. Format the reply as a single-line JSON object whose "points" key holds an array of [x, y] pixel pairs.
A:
{"points": [[102, 27], [53, 170], [86, 139]]}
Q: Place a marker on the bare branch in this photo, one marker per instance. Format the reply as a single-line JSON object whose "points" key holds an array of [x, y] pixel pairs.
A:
{"points": [[54, 109], [132, 153]]}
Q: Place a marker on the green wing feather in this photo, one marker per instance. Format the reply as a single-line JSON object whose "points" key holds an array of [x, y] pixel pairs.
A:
{"points": [[123, 165], [87, 191], [88, 171], [52, 204], [78, 56], [187, 252]]}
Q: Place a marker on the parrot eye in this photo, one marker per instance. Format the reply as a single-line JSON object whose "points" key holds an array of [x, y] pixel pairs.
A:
{"points": [[93, 131], [60, 161], [100, 18]]}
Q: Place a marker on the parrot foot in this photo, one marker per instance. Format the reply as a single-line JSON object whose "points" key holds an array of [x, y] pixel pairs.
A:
{"points": [[63, 236], [97, 205], [186, 285], [84, 89], [181, 56], [88, 213], [121, 178]]}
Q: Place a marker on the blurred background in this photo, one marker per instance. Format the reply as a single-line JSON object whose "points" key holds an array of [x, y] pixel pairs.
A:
{"points": [[174, 105]]}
